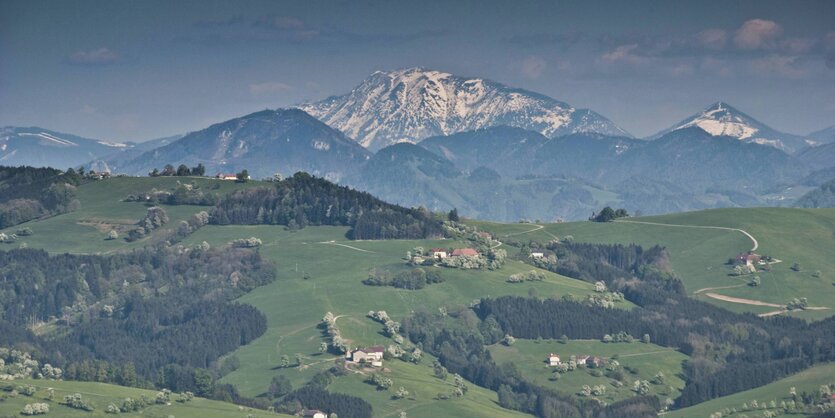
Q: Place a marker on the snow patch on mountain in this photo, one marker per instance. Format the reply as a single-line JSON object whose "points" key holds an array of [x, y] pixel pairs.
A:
{"points": [[721, 119], [412, 104]]}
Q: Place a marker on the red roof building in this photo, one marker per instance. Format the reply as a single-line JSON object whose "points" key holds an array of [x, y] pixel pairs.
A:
{"points": [[464, 251]]}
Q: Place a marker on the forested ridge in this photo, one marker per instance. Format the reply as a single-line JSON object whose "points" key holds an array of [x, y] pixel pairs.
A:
{"points": [[304, 200], [157, 315], [28, 193]]}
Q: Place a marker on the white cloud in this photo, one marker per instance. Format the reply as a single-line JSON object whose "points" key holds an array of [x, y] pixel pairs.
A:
{"points": [[712, 38], [757, 34], [269, 88], [533, 66], [94, 57], [623, 54], [797, 45]]}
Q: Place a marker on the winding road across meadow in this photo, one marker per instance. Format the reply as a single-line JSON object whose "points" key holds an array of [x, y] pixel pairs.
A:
{"points": [[751, 237]]}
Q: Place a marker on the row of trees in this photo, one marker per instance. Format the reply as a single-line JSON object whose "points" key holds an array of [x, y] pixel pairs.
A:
{"points": [[182, 170], [608, 214], [413, 279]]}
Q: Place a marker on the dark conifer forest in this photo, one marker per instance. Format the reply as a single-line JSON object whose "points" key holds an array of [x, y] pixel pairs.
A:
{"points": [[150, 316], [28, 193], [303, 200]]}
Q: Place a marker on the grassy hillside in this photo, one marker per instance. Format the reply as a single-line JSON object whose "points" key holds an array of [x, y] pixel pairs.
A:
{"points": [[699, 255], [806, 381], [644, 359], [334, 267], [103, 209], [320, 271], [100, 395]]}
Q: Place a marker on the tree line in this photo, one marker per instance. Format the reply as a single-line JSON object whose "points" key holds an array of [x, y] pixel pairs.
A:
{"points": [[304, 200], [28, 193]]}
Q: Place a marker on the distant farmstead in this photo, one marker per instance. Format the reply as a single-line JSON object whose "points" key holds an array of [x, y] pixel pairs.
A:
{"points": [[373, 355], [224, 176], [313, 413], [464, 252], [439, 253], [553, 359], [537, 254]]}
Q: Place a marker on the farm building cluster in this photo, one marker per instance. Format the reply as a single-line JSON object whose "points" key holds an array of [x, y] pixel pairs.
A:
{"points": [[370, 355], [752, 260], [554, 360], [439, 255]]}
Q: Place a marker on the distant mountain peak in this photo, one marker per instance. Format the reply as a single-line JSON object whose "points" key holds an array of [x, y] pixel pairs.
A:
{"points": [[722, 119], [41, 147], [264, 142], [411, 104]]}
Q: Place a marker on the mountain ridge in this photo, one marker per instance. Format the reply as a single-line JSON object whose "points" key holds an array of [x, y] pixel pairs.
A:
{"points": [[412, 104], [264, 142], [40, 147]]}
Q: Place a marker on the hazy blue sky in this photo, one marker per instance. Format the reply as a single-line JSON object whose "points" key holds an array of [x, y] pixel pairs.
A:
{"points": [[135, 70]]}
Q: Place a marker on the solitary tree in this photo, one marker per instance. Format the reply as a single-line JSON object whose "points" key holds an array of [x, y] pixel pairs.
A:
{"points": [[243, 176]]}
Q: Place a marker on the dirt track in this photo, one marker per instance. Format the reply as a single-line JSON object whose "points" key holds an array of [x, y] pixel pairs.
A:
{"points": [[741, 300], [751, 237]]}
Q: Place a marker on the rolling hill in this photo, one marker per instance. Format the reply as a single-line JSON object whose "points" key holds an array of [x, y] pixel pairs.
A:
{"points": [[306, 287]]}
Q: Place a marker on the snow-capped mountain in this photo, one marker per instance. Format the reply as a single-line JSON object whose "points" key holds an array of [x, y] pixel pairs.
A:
{"points": [[721, 119], [266, 142], [40, 147], [412, 104]]}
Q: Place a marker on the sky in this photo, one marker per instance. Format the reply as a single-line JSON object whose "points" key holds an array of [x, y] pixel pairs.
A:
{"points": [[137, 70]]}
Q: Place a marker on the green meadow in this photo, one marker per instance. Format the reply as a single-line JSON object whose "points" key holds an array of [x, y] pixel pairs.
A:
{"points": [[699, 255], [320, 271], [808, 380], [103, 208], [100, 395], [644, 361]]}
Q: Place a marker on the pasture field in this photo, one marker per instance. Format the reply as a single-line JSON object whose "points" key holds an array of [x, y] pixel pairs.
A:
{"points": [[100, 395], [808, 380], [645, 361], [102, 208], [320, 271], [699, 255]]}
